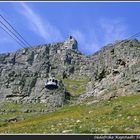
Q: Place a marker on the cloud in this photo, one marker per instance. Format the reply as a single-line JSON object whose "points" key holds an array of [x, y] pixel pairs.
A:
{"points": [[78, 35], [93, 39], [86, 44], [39, 25], [113, 29]]}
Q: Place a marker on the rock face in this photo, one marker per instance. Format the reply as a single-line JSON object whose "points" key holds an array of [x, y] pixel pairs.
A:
{"points": [[113, 71], [23, 73]]}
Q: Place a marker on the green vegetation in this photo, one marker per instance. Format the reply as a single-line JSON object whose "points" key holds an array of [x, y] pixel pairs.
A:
{"points": [[119, 115], [75, 87], [21, 106], [20, 111]]}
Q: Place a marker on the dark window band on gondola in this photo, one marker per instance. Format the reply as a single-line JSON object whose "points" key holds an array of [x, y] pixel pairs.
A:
{"points": [[51, 83]]}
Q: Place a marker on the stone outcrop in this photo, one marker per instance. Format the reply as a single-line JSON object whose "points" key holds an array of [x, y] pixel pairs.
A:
{"points": [[112, 71], [115, 71]]}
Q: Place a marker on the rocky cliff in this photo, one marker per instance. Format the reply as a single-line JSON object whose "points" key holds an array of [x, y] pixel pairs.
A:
{"points": [[111, 72], [115, 70]]}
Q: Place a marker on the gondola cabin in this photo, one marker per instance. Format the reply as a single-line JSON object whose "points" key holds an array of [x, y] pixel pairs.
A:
{"points": [[51, 83]]}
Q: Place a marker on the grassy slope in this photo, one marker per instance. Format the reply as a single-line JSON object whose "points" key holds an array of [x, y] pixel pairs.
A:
{"points": [[120, 115], [75, 87]]}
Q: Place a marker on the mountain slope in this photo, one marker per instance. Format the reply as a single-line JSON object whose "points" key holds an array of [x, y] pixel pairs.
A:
{"points": [[90, 89], [111, 72], [119, 115]]}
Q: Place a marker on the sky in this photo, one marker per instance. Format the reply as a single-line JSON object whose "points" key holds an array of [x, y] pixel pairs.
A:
{"points": [[92, 24]]}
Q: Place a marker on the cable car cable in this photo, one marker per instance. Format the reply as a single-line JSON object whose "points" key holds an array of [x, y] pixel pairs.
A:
{"points": [[11, 36], [12, 33], [15, 30]]}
